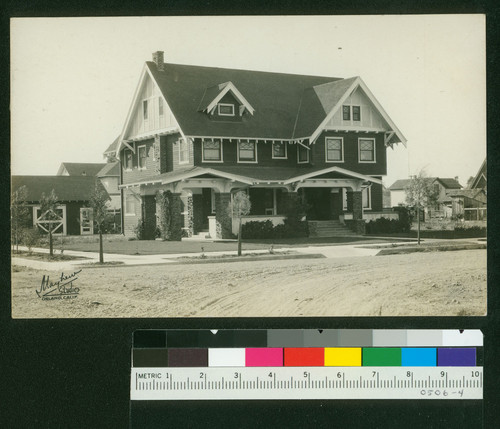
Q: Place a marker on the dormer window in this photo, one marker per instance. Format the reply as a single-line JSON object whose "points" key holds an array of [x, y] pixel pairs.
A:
{"points": [[353, 112], [356, 113], [225, 109], [145, 109], [160, 106]]}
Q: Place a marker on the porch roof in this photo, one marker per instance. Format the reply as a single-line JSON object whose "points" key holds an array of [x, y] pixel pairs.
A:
{"points": [[254, 176]]}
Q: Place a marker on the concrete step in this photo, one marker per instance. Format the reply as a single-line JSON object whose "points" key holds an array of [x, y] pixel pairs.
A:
{"points": [[329, 228]]}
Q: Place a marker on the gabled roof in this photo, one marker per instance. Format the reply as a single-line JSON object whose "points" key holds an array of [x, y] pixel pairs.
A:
{"points": [[448, 183], [67, 188], [481, 178], [214, 94], [80, 168], [475, 194], [111, 150], [110, 169]]}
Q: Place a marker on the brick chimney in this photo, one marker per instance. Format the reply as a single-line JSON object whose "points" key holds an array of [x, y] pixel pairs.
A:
{"points": [[158, 60]]}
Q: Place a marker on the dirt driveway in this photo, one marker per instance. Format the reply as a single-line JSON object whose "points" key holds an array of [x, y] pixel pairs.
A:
{"points": [[418, 284]]}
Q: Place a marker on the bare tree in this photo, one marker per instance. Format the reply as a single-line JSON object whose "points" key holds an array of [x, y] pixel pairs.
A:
{"points": [[420, 193], [240, 206], [98, 201], [48, 207], [19, 214]]}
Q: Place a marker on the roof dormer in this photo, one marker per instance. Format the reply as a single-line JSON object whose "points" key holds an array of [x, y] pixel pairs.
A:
{"points": [[225, 102]]}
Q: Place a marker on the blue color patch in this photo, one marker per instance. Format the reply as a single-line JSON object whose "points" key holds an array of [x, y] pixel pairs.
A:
{"points": [[418, 357]]}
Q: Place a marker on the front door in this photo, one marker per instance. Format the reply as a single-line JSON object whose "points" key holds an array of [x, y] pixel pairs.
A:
{"points": [[86, 221], [318, 202]]}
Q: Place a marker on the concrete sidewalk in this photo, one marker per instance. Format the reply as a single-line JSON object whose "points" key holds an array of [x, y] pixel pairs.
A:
{"points": [[92, 258]]}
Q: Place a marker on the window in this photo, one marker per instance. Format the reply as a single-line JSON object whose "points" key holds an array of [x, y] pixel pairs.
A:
{"points": [[129, 160], [225, 109], [366, 196], [334, 149], [247, 152], [346, 113], [160, 106], [145, 109], [129, 205], [356, 113], [302, 154], [212, 151], [141, 155], [183, 151], [366, 150], [279, 150]]}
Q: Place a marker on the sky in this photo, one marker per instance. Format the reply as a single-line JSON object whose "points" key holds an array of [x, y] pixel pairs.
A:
{"points": [[73, 79]]}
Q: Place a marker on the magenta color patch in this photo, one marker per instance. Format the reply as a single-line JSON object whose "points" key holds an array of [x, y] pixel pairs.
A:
{"points": [[271, 356]]}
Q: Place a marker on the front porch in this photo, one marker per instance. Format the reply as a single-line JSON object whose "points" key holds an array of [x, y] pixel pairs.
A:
{"points": [[200, 200]]}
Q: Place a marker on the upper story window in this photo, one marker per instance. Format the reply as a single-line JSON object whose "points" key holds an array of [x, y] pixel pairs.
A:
{"points": [[346, 113], [129, 159], [353, 112], [225, 109], [145, 109], [356, 113], [279, 150], [366, 150], [247, 152], [160, 106], [302, 154], [212, 151], [183, 151], [334, 148], [141, 156]]}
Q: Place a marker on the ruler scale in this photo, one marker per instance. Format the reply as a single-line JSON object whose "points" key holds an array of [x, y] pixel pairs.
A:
{"points": [[343, 364]]}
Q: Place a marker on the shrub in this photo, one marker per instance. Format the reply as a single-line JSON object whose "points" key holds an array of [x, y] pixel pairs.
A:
{"points": [[30, 237], [405, 218], [384, 226], [266, 229], [139, 230]]}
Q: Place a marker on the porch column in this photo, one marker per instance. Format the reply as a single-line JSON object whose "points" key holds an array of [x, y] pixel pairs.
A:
{"points": [[222, 215], [189, 221], [357, 212], [176, 221], [197, 213]]}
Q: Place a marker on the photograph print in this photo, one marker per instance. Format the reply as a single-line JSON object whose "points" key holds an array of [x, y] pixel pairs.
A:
{"points": [[265, 166]]}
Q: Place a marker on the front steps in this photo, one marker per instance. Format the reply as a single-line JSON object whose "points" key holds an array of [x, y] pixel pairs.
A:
{"points": [[328, 228]]}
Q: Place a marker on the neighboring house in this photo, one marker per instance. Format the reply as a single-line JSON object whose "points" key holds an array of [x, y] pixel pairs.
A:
{"points": [[79, 169], [73, 192], [443, 186], [109, 175], [471, 203], [110, 152], [203, 133]]}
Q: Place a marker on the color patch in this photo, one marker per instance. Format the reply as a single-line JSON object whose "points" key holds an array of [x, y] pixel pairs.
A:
{"points": [[264, 356], [382, 356], [389, 337], [418, 357], [325, 338], [187, 357], [456, 357], [150, 338], [355, 338], [342, 356], [424, 337], [305, 356], [226, 357], [454, 337], [285, 338], [149, 358]]}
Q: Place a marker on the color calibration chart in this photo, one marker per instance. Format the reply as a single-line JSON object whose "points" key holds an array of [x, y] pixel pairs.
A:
{"points": [[306, 364]]}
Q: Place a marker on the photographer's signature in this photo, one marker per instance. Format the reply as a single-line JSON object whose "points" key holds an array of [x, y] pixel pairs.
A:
{"points": [[63, 288]]}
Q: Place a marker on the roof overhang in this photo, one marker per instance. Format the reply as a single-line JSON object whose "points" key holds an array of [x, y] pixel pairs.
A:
{"points": [[343, 171]]}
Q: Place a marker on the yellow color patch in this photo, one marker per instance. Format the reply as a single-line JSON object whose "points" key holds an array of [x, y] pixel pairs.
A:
{"points": [[342, 356]]}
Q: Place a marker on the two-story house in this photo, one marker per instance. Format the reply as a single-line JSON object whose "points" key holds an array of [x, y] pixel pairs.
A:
{"points": [[203, 133]]}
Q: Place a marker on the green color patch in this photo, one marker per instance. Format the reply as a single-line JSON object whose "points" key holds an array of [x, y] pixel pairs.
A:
{"points": [[382, 356]]}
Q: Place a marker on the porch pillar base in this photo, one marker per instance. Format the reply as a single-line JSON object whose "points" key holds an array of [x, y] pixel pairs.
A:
{"points": [[223, 215]]}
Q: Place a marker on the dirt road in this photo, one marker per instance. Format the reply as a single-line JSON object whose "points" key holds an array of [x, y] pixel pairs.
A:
{"points": [[419, 284]]}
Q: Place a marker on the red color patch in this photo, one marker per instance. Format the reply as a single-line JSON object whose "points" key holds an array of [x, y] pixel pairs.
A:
{"points": [[305, 356]]}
